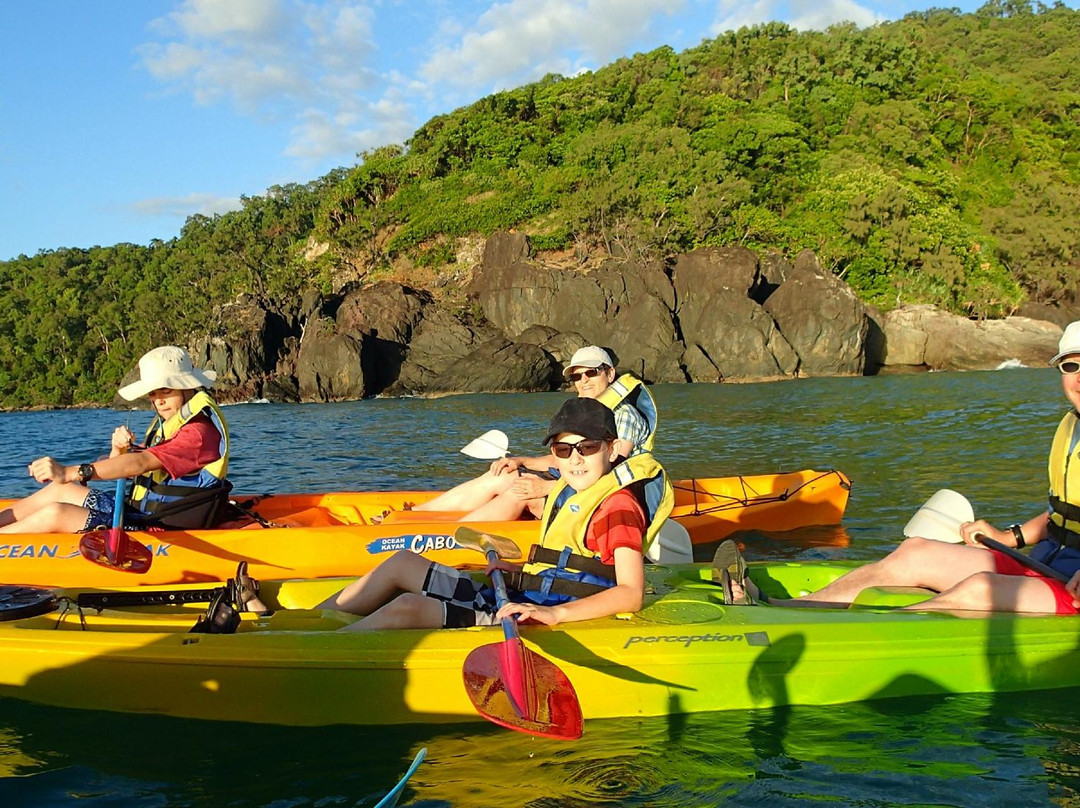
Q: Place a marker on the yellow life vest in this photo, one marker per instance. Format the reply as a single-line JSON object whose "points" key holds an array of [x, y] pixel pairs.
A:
{"points": [[156, 487], [633, 391], [1065, 489], [567, 525]]}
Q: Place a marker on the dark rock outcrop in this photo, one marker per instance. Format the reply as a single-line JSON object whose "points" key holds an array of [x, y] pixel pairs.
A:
{"points": [[716, 314], [822, 319]]}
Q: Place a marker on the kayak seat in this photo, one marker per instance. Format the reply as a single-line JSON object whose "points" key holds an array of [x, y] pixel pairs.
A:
{"points": [[891, 597]]}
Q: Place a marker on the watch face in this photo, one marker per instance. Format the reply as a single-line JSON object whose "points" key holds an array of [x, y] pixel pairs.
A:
{"points": [[86, 471]]}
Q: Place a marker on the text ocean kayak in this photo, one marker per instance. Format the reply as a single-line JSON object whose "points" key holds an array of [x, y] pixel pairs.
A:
{"points": [[320, 535], [684, 652]]}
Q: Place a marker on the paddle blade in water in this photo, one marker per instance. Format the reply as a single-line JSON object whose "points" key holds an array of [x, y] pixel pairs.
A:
{"points": [[555, 711], [113, 548]]}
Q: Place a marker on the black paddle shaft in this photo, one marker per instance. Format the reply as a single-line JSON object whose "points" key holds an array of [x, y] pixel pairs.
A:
{"points": [[1027, 561]]}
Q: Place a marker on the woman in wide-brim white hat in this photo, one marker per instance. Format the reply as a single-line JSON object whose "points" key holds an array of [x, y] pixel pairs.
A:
{"points": [[188, 437]]}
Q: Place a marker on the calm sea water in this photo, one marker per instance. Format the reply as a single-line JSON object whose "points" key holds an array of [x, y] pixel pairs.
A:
{"points": [[899, 438]]}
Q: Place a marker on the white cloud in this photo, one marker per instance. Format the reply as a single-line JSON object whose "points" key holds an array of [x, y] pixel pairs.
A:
{"points": [[277, 58], [522, 40], [184, 206], [803, 15]]}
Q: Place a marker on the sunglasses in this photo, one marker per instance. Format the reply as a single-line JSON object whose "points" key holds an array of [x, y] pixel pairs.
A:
{"points": [[588, 373], [1070, 367], [585, 448]]}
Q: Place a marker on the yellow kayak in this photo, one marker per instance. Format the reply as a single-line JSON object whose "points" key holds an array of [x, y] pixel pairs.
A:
{"points": [[324, 535], [684, 652]]}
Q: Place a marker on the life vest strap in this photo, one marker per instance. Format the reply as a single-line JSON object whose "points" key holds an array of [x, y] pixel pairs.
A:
{"points": [[1063, 535], [525, 582], [1066, 510], [547, 555]]}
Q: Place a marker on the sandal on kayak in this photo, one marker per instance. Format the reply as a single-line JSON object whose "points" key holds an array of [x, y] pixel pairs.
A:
{"points": [[730, 567], [246, 592]]}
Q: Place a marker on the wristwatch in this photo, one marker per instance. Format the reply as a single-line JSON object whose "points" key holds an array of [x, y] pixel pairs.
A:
{"points": [[86, 472]]}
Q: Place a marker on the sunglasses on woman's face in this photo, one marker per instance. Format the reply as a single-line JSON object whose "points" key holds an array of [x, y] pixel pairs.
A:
{"points": [[588, 373], [563, 450], [1070, 367]]}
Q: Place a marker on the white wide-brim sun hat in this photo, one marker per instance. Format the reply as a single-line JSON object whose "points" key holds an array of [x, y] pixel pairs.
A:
{"points": [[167, 366], [940, 518]]}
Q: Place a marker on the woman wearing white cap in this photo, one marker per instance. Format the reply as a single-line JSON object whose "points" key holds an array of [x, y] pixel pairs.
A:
{"points": [[971, 576], [515, 484], [186, 458]]}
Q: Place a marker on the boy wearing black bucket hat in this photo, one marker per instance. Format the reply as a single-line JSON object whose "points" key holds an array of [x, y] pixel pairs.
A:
{"points": [[598, 511]]}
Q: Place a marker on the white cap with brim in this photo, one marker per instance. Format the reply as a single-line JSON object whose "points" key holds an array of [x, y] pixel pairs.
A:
{"points": [[591, 356], [940, 518], [167, 366], [1070, 342]]}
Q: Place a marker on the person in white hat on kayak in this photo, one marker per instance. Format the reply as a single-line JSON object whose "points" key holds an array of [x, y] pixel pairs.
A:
{"points": [[186, 451], [968, 575], [515, 484]]}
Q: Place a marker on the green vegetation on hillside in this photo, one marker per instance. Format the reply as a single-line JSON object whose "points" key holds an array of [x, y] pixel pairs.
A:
{"points": [[935, 159]]}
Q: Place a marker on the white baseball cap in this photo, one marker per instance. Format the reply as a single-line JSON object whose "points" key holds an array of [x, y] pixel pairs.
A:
{"points": [[591, 356], [167, 366], [1070, 342]]}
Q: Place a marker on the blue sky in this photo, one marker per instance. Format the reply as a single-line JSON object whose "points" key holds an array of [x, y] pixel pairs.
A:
{"points": [[120, 118]]}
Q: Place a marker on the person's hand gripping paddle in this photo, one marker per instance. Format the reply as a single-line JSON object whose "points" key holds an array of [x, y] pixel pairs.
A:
{"points": [[509, 683], [113, 547]]}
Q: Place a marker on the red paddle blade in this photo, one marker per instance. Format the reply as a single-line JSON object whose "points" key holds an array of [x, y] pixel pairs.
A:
{"points": [[518, 677], [556, 712], [113, 548]]}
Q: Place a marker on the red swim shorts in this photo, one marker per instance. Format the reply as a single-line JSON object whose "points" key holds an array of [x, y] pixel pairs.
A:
{"points": [[1007, 565]]}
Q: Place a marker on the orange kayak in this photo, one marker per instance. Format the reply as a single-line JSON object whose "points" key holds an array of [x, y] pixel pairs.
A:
{"points": [[348, 533]]}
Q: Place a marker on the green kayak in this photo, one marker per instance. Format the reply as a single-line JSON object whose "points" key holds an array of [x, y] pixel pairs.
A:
{"points": [[684, 652]]}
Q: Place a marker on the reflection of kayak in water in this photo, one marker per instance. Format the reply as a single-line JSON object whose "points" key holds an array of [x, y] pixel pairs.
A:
{"points": [[319, 535], [685, 652], [394, 794]]}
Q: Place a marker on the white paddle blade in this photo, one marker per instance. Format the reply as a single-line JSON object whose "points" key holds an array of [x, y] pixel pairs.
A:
{"points": [[672, 545], [940, 518], [492, 445]]}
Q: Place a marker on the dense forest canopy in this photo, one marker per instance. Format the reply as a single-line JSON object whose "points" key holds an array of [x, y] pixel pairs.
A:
{"points": [[933, 159]]}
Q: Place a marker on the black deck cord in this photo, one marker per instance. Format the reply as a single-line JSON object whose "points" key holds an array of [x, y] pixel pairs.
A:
{"points": [[253, 514], [161, 597]]}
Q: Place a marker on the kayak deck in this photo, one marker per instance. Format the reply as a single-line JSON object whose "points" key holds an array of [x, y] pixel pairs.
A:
{"points": [[684, 652], [348, 533]]}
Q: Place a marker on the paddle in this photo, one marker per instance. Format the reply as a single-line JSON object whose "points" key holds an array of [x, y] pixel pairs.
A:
{"points": [[510, 684], [492, 445], [113, 547], [940, 519], [394, 794]]}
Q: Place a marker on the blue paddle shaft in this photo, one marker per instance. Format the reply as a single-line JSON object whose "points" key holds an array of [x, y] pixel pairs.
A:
{"points": [[509, 624], [118, 505]]}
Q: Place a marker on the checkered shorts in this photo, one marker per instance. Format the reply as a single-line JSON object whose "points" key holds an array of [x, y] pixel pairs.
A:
{"points": [[466, 602]]}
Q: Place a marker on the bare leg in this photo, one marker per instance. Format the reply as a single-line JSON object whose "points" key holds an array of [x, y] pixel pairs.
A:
{"points": [[69, 493], [59, 517], [503, 508], [916, 562], [991, 592], [470, 494], [408, 610], [404, 571]]}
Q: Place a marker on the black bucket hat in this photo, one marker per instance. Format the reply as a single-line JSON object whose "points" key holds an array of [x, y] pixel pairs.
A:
{"points": [[586, 417]]}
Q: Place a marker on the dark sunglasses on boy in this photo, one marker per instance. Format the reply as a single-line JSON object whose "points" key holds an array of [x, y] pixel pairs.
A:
{"points": [[588, 373], [585, 448], [1069, 368]]}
